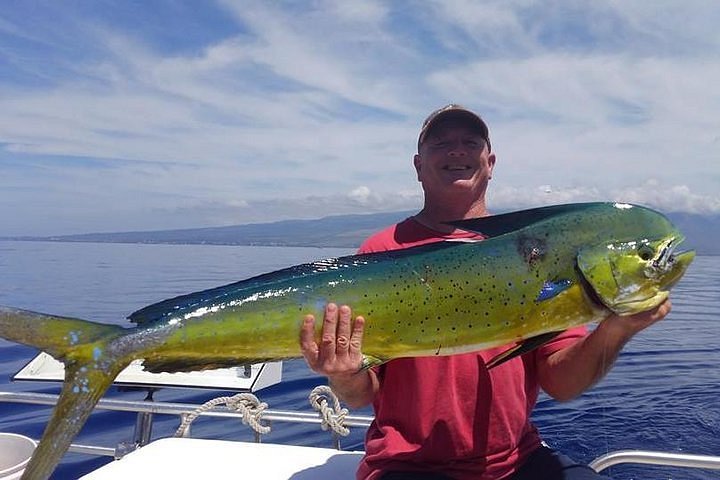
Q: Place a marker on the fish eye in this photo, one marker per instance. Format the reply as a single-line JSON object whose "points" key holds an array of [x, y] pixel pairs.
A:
{"points": [[645, 252]]}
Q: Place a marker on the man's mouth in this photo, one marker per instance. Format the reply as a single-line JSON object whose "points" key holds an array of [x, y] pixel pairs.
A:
{"points": [[456, 168]]}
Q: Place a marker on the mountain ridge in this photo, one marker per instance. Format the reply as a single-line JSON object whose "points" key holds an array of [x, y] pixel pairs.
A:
{"points": [[341, 231]]}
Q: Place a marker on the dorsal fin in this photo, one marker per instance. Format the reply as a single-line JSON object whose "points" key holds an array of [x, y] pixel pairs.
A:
{"points": [[503, 223]]}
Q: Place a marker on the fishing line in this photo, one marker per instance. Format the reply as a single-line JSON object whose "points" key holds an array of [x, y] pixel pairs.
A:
{"points": [[603, 408]]}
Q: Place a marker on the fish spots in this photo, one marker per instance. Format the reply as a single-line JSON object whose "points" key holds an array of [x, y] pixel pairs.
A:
{"points": [[97, 353], [81, 383]]}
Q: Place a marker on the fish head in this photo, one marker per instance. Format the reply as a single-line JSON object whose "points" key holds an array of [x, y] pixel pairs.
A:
{"points": [[634, 276]]}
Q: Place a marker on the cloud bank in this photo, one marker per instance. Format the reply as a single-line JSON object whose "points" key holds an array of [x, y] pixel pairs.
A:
{"points": [[232, 114]]}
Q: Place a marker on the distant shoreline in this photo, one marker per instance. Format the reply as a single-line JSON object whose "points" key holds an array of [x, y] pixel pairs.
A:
{"points": [[341, 231]]}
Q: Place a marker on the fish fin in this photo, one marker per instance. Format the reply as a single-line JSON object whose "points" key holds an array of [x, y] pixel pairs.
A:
{"points": [[369, 362], [90, 368], [496, 225], [189, 302], [83, 387], [54, 334], [552, 288], [179, 306], [521, 348]]}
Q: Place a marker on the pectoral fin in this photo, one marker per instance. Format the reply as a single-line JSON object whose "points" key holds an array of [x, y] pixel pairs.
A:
{"points": [[553, 288], [521, 348]]}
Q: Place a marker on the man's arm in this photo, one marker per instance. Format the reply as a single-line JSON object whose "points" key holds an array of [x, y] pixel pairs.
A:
{"points": [[567, 373], [339, 355]]}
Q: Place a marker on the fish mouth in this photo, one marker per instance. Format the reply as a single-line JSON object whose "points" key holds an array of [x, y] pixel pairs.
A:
{"points": [[670, 263], [666, 257], [667, 268]]}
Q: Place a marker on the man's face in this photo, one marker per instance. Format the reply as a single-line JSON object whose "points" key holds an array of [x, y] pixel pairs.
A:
{"points": [[454, 159]]}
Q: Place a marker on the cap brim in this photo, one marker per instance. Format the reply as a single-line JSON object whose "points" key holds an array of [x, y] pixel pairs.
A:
{"points": [[449, 113]]}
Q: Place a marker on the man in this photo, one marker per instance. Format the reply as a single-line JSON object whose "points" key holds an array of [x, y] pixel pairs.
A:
{"points": [[450, 417]]}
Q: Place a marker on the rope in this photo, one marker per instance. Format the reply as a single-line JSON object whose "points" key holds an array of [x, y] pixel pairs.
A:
{"points": [[245, 403], [332, 418]]}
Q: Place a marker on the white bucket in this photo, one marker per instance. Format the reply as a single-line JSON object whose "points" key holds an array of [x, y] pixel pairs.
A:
{"points": [[15, 453]]}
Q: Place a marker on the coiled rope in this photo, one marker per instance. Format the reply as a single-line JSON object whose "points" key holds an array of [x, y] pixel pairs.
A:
{"points": [[332, 417], [245, 403]]}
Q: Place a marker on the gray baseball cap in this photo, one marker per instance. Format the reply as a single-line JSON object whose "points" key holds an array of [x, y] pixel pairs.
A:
{"points": [[457, 111]]}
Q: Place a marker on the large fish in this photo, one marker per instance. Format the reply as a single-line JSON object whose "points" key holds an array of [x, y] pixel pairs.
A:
{"points": [[541, 272]]}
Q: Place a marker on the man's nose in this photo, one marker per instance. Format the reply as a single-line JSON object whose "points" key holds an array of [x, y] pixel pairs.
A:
{"points": [[457, 149]]}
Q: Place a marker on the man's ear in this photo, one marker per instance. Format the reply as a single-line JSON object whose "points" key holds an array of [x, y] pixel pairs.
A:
{"points": [[491, 164], [417, 161]]}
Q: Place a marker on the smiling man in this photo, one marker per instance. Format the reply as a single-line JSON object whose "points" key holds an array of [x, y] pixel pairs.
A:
{"points": [[454, 164], [450, 417]]}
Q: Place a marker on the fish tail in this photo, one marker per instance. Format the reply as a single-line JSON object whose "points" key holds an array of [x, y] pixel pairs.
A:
{"points": [[90, 368], [84, 386]]}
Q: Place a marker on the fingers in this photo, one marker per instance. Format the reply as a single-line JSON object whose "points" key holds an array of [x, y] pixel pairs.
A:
{"points": [[660, 312], [343, 330], [631, 325], [356, 336], [665, 308], [329, 332], [307, 340], [657, 313]]}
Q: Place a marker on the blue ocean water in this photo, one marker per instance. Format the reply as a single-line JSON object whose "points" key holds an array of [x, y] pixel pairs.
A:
{"points": [[663, 394]]}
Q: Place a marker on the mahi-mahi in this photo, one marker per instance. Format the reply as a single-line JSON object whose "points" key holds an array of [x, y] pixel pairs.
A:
{"points": [[539, 272]]}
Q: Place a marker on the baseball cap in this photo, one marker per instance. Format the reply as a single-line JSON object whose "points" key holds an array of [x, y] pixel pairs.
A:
{"points": [[449, 111]]}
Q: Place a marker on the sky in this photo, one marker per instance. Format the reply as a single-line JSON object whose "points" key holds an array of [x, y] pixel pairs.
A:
{"points": [[152, 115]]}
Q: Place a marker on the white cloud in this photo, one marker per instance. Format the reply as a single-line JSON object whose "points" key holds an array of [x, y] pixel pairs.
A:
{"points": [[360, 194], [652, 193], [314, 111]]}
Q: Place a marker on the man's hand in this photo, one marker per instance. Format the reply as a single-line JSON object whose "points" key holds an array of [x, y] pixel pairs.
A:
{"points": [[626, 327], [339, 352]]}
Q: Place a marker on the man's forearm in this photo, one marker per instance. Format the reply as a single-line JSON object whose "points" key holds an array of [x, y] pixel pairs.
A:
{"points": [[569, 372]]}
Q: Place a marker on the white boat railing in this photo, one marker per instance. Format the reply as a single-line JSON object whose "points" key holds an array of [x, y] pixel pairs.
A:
{"points": [[146, 409], [647, 457]]}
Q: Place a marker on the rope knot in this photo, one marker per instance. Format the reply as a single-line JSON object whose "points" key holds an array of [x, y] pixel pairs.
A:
{"points": [[245, 403], [331, 417]]}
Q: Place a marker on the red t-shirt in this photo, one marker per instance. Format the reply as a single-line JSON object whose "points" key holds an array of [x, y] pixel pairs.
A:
{"points": [[449, 413]]}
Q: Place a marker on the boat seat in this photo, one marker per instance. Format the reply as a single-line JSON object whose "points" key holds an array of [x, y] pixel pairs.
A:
{"points": [[194, 458]]}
